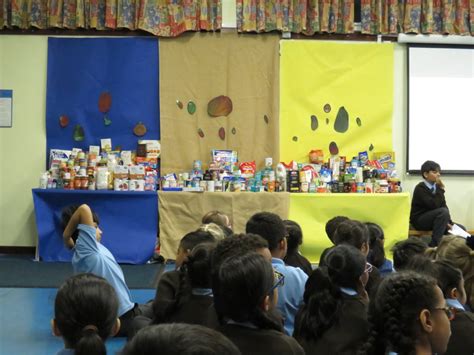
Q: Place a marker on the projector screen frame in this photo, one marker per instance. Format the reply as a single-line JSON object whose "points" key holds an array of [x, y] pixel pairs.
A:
{"points": [[428, 45]]}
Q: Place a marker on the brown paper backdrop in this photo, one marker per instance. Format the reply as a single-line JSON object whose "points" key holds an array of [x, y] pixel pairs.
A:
{"points": [[201, 66], [181, 212]]}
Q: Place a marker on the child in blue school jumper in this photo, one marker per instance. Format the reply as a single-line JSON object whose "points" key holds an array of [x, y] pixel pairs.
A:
{"points": [[82, 233], [85, 314]]}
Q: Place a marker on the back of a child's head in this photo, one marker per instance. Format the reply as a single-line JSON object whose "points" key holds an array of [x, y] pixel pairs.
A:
{"points": [[85, 313], [216, 217], [179, 339], [190, 240], [428, 166], [394, 314], [198, 265], [240, 286], [269, 226], [295, 235], [66, 215], [352, 232], [376, 243], [332, 225], [235, 245], [404, 250], [323, 297]]}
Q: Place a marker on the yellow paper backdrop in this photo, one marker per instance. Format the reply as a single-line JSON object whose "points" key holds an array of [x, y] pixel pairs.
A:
{"points": [[358, 77], [312, 211]]}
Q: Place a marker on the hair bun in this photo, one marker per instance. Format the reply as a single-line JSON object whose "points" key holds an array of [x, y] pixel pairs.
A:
{"points": [[336, 262]]}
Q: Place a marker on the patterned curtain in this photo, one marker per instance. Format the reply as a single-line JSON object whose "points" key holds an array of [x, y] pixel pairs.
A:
{"points": [[166, 18], [298, 16], [417, 16]]}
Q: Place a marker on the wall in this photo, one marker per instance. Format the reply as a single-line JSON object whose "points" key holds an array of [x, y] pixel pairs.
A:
{"points": [[22, 148]]}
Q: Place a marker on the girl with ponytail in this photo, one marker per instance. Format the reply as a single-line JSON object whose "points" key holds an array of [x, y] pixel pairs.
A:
{"points": [[85, 314], [193, 300], [333, 318], [245, 296], [409, 316]]}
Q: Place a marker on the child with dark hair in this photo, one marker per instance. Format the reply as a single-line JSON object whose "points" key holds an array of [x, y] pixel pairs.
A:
{"points": [[458, 251], [245, 293], [428, 206], [404, 250], [290, 296], [333, 319], [239, 244], [85, 314], [331, 226], [193, 298], [179, 339], [294, 240], [194, 293], [356, 233], [451, 282], [189, 241], [82, 233], [376, 254], [408, 316]]}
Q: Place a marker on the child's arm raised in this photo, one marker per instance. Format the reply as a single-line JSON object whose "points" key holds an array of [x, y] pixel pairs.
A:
{"points": [[83, 215]]}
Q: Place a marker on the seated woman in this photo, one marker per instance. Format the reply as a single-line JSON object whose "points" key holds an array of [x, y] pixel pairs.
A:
{"points": [[408, 316], [245, 294], [333, 319]]}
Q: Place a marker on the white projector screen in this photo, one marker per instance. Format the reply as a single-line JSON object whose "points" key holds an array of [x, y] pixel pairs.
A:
{"points": [[441, 108]]}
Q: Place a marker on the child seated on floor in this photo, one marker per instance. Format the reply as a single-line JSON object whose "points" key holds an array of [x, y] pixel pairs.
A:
{"points": [[82, 233], [182, 339], [409, 315], [377, 253], [193, 300], [85, 314], [294, 240], [245, 293], [333, 319], [428, 206]]}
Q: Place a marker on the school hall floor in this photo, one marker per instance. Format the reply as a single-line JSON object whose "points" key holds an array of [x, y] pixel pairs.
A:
{"points": [[26, 312]]}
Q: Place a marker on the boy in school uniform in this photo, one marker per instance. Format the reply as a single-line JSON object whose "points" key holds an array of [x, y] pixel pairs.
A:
{"points": [[428, 206], [82, 233], [290, 295]]}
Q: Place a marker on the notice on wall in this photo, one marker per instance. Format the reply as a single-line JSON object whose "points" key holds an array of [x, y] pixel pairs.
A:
{"points": [[6, 107]]}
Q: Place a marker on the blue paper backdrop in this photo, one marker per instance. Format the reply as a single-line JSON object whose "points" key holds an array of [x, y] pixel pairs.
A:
{"points": [[79, 70]]}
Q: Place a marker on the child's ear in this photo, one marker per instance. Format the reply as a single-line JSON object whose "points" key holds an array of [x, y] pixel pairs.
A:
{"points": [[54, 328], [266, 303], [454, 293], [115, 328], [425, 321]]}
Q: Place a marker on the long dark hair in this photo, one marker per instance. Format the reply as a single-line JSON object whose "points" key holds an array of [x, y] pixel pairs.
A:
{"points": [[323, 297], [194, 273], [240, 286], [351, 232], [376, 251], [85, 312], [395, 310]]}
